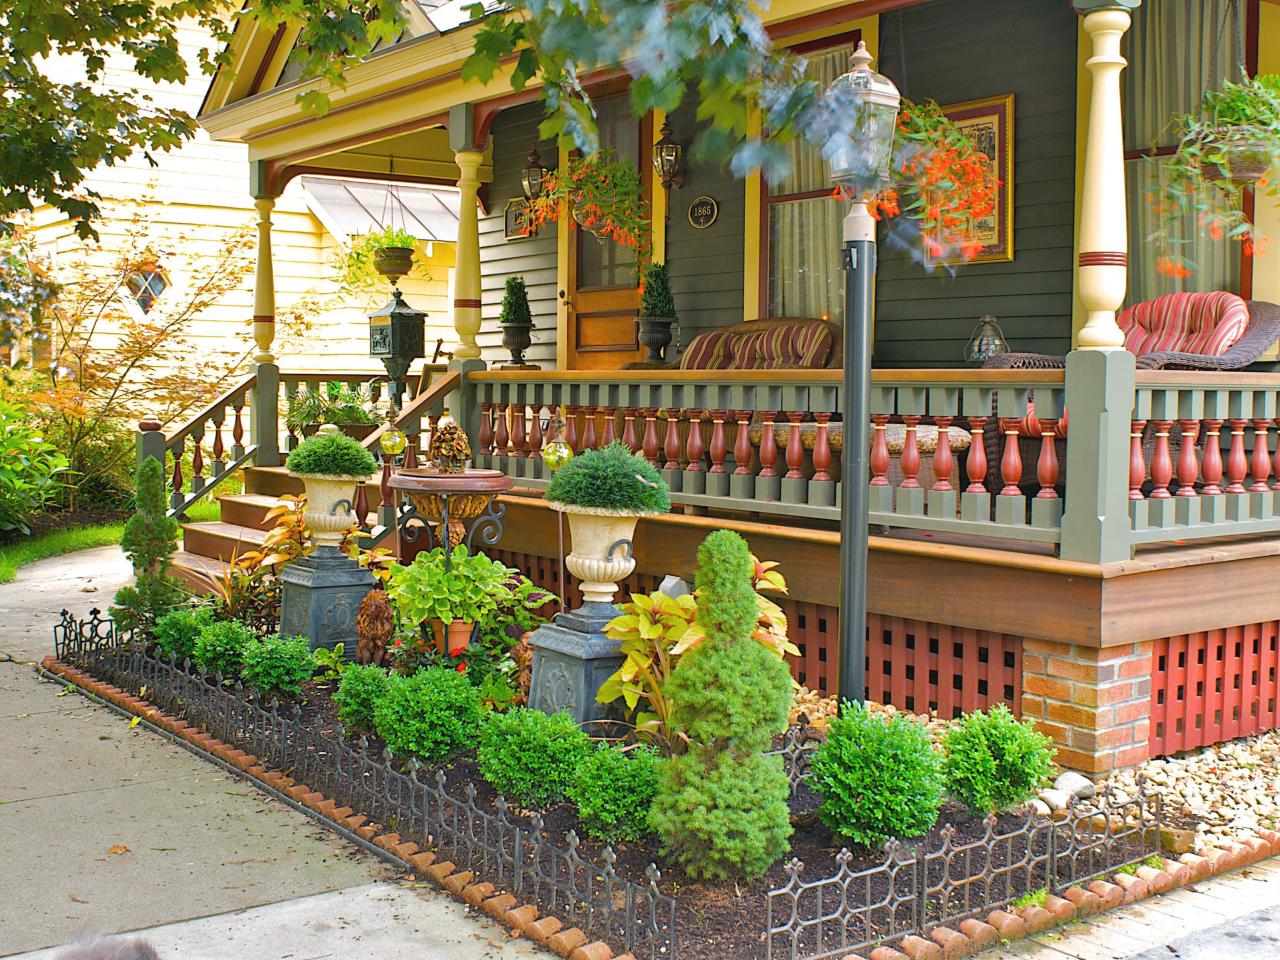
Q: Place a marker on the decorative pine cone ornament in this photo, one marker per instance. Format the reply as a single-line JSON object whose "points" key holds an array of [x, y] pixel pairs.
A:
{"points": [[375, 623], [450, 449]]}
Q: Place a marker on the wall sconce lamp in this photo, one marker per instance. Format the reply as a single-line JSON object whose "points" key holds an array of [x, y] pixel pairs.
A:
{"points": [[533, 175], [668, 158]]}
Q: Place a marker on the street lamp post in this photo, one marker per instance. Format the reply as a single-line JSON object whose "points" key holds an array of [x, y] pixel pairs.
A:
{"points": [[861, 167]]}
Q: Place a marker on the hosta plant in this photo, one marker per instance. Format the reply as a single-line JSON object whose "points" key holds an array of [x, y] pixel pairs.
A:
{"points": [[468, 587]]}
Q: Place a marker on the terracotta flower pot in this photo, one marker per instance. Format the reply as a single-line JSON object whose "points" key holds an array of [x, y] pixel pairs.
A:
{"points": [[453, 637]]}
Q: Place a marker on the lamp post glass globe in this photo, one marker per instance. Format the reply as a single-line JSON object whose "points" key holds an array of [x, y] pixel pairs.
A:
{"points": [[556, 453], [860, 163]]}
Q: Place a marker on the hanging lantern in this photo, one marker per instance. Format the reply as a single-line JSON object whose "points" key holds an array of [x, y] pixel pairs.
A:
{"points": [[668, 157], [533, 175], [861, 164], [987, 341]]}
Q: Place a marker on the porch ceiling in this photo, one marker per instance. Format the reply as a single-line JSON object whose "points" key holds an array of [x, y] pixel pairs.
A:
{"points": [[421, 156]]}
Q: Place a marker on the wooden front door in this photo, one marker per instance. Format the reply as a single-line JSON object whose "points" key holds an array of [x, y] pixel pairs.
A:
{"points": [[603, 294]]}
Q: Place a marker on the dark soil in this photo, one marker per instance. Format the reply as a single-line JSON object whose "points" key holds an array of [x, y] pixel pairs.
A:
{"points": [[48, 522]]}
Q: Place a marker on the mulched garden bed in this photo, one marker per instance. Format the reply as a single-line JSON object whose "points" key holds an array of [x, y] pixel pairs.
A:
{"points": [[49, 522]]}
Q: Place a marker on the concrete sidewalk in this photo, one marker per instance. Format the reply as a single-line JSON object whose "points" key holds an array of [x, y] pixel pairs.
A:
{"points": [[113, 829]]}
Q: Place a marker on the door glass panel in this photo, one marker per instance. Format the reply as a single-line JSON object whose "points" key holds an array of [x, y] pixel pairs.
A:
{"points": [[607, 263]]}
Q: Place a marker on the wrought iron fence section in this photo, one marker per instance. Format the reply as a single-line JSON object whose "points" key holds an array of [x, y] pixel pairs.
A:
{"points": [[415, 803], [799, 744]]}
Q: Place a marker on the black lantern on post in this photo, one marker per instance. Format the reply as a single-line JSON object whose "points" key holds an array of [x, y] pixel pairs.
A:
{"points": [[396, 337], [860, 167]]}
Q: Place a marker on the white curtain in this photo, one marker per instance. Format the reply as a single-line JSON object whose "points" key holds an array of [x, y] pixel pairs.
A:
{"points": [[1177, 49], [805, 278]]}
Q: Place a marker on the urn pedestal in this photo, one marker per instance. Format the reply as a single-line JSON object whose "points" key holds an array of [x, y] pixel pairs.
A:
{"points": [[320, 597]]}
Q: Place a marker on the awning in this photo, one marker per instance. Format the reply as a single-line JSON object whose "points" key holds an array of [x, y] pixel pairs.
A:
{"points": [[353, 207]]}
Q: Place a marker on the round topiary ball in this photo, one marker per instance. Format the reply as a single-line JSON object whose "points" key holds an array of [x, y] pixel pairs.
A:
{"points": [[330, 454], [612, 479]]}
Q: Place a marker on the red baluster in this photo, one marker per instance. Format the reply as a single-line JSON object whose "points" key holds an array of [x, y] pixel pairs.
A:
{"points": [[1047, 465], [649, 445], [361, 507], [610, 425], [197, 455], [719, 448], [517, 430], [237, 426], [1261, 457], [821, 449], [1237, 462], [910, 453], [219, 451], [571, 428], [486, 428], [1212, 469], [501, 438], [671, 444], [768, 447], [1137, 460], [589, 441], [384, 483], [1188, 469], [535, 433], [693, 449], [880, 459], [411, 454], [1276, 485], [1161, 461], [1011, 462], [629, 430], [742, 444], [976, 463], [943, 462], [177, 470], [795, 448]]}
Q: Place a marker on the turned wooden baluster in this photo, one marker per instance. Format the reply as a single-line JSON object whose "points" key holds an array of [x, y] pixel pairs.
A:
{"points": [[1276, 485], [361, 507], [237, 429], [175, 498], [197, 457], [486, 428], [589, 441], [1237, 462], [943, 461], [1161, 461], [910, 453], [822, 449], [719, 448], [693, 447], [742, 444], [1011, 461], [671, 444], [975, 464], [650, 445], [535, 432], [795, 447], [501, 436], [629, 439], [610, 425], [517, 431], [1261, 457], [768, 447], [411, 454], [219, 451], [1137, 460], [1212, 468], [384, 482], [571, 428], [880, 459], [1047, 465], [1188, 469]]}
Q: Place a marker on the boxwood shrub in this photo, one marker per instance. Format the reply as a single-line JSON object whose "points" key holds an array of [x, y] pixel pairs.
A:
{"points": [[530, 757], [433, 715], [220, 647], [331, 455], [613, 792], [277, 666], [994, 761], [362, 688], [176, 632]]}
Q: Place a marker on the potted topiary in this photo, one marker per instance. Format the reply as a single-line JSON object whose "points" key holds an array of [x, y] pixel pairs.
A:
{"points": [[449, 593], [657, 312], [337, 403], [330, 465], [517, 323], [604, 492]]}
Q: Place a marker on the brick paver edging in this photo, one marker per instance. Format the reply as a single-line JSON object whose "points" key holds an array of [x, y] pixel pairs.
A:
{"points": [[943, 943]]}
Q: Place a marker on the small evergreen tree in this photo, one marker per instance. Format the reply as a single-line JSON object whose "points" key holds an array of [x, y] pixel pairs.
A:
{"points": [[515, 303], [721, 808], [148, 541], [656, 300]]}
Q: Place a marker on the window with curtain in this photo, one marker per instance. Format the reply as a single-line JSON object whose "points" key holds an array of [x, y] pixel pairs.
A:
{"points": [[1177, 49], [803, 223]]}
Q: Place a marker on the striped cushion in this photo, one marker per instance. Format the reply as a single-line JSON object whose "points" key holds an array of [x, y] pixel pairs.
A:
{"points": [[706, 351], [1203, 323], [777, 347]]}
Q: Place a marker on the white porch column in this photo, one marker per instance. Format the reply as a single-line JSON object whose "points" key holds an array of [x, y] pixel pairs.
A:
{"points": [[466, 277], [1104, 229], [264, 285]]}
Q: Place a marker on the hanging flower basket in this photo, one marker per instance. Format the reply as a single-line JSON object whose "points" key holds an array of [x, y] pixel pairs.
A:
{"points": [[603, 194]]}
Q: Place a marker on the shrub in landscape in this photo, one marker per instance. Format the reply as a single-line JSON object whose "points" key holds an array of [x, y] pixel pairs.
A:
{"points": [[721, 808], [276, 666], [993, 761], [613, 791], [176, 632], [611, 478], [878, 777], [220, 647], [530, 757], [29, 466], [432, 715], [331, 455], [149, 542], [362, 688]]}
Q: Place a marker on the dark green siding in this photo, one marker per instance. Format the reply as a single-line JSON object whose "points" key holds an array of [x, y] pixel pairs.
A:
{"points": [[705, 265], [959, 50], [535, 259]]}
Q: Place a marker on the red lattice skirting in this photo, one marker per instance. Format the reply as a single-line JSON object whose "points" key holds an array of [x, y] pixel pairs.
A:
{"points": [[1214, 686]]}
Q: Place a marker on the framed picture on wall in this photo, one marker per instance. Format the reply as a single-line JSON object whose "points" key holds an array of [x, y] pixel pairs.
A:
{"points": [[989, 124], [517, 224]]}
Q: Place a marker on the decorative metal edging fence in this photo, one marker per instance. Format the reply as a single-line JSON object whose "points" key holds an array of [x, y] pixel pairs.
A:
{"points": [[589, 894], [913, 890]]}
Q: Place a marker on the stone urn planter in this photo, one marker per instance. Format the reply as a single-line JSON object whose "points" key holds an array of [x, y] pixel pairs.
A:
{"points": [[327, 492], [601, 553], [655, 336]]}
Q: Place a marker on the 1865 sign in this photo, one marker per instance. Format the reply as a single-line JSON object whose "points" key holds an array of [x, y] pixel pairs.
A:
{"points": [[703, 212]]}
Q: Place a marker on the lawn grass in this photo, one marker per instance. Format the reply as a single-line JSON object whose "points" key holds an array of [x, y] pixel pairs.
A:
{"points": [[54, 544]]}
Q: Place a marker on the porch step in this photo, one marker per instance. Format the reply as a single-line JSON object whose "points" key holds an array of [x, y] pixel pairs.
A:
{"points": [[247, 509], [221, 540], [271, 481]]}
